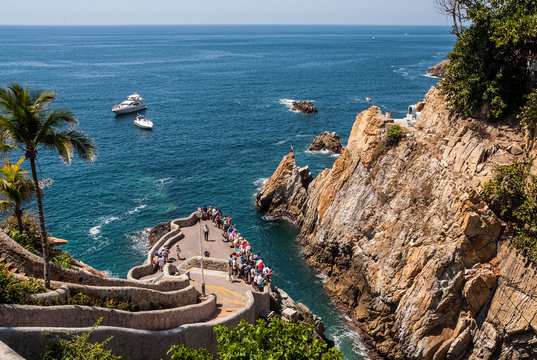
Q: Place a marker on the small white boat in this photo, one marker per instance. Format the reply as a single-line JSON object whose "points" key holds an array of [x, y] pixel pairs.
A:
{"points": [[143, 123], [133, 103]]}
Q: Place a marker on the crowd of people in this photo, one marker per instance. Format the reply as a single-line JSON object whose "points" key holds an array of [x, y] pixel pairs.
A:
{"points": [[243, 263]]}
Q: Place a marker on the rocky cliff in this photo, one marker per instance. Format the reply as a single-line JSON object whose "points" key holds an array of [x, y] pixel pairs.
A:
{"points": [[407, 243]]}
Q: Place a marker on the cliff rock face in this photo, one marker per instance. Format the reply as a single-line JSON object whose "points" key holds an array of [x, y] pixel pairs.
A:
{"points": [[327, 141], [439, 70], [285, 192], [409, 246]]}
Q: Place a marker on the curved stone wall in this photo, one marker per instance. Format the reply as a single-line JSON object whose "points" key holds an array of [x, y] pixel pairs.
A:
{"points": [[66, 316], [146, 299], [32, 265], [140, 344], [168, 239]]}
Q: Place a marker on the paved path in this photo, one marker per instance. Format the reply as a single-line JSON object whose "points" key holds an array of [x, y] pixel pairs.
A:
{"points": [[231, 296]]}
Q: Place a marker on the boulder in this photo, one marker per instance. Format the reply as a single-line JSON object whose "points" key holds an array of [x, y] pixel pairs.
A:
{"points": [[439, 70], [305, 107], [327, 141]]}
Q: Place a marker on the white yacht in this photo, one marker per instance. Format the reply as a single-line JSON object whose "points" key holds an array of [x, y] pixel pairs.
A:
{"points": [[133, 103], [143, 123]]}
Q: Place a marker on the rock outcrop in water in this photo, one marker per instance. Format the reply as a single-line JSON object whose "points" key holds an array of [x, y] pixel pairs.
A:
{"points": [[408, 245], [439, 70], [327, 141], [285, 192], [305, 107]]}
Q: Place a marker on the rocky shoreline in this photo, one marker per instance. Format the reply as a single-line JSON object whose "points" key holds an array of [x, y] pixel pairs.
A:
{"points": [[406, 242]]}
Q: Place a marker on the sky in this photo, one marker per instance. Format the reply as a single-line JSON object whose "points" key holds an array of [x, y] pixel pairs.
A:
{"points": [[155, 12]]}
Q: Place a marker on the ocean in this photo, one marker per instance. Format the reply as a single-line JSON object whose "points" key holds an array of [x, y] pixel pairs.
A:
{"points": [[219, 100]]}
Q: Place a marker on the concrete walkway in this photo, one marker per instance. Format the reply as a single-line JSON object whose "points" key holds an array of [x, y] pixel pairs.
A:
{"points": [[231, 296]]}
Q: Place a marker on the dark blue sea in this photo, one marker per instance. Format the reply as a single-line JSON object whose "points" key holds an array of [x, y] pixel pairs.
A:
{"points": [[218, 98]]}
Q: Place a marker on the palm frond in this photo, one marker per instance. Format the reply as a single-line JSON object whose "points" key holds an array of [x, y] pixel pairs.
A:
{"points": [[58, 118], [6, 206], [84, 146]]}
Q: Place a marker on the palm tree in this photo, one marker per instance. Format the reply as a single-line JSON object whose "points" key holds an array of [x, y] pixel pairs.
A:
{"points": [[16, 188], [27, 124]]}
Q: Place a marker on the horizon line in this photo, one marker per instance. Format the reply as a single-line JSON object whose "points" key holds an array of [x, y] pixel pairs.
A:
{"points": [[224, 24]]}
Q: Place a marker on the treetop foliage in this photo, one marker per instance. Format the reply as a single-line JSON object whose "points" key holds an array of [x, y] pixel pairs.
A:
{"points": [[489, 75]]}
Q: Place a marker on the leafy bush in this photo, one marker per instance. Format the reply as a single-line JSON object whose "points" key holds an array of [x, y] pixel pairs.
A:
{"points": [[74, 347], [17, 291], [181, 352], [61, 258], [277, 340], [24, 240], [274, 340], [394, 135], [528, 115], [31, 229], [512, 195], [487, 76], [505, 192]]}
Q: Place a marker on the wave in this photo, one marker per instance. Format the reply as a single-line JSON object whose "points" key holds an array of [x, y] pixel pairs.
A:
{"points": [[163, 182], [323, 151], [139, 241], [303, 135], [281, 142], [323, 277], [288, 103], [345, 332], [137, 209], [94, 231], [260, 182]]}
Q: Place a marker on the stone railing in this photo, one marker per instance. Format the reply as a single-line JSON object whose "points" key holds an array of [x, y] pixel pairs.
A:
{"points": [[69, 316], [168, 239], [140, 344], [33, 266], [145, 299]]}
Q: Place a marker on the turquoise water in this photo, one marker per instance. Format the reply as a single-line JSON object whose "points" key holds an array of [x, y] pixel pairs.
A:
{"points": [[216, 96]]}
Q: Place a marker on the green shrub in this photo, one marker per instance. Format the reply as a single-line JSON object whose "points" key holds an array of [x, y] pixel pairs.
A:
{"points": [[181, 352], [17, 291], [394, 135], [274, 340], [487, 76], [77, 347], [31, 229], [61, 258], [528, 115], [505, 192], [24, 240], [512, 195]]}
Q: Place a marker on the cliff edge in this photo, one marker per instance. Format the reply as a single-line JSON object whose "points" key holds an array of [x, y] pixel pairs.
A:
{"points": [[408, 245]]}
